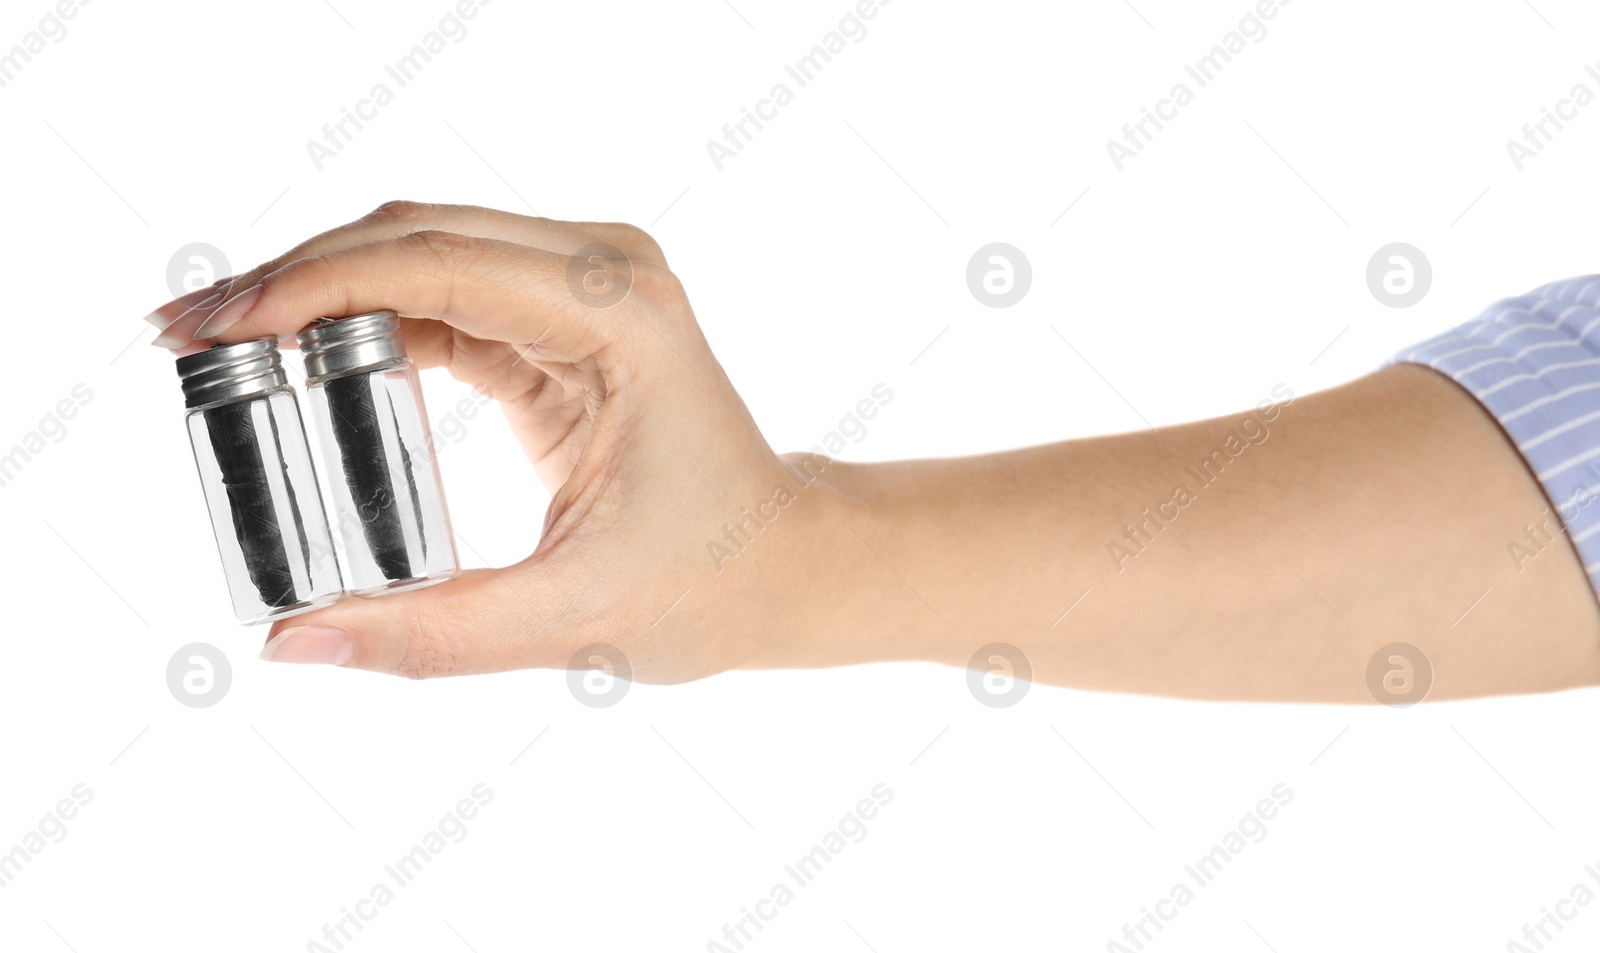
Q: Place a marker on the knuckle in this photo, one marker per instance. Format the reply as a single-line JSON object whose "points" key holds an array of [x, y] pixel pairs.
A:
{"points": [[246, 279], [400, 211], [449, 250], [442, 243], [656, 283], [434, 649], [637, 242], [314, 271]]}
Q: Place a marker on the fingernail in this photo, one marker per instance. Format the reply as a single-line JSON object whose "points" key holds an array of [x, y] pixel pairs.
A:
{"points": [[229, 314], [170, 337], [193, 347], [180, 304], [310, 644]]}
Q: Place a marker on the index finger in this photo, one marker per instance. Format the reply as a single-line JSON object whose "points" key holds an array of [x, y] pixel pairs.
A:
{"points": [[179, 319], [486, 288]]}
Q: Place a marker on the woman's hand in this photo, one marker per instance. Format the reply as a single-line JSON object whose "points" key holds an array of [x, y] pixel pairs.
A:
{"points": [[587, 341], [1343, 528]]}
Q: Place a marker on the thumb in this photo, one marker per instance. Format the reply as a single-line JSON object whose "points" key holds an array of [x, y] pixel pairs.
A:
{"points": [[481, 621]]}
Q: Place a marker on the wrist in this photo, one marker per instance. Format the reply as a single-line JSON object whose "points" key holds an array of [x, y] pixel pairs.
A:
{"points": [[836, 595]]}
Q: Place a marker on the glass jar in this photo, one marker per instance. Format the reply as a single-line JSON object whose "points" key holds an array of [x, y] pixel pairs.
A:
{"points": [[391, 528], [260, 486]]}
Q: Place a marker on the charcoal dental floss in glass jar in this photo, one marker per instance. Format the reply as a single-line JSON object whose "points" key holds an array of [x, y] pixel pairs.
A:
{"points": [[260, 486], [391, 529]]}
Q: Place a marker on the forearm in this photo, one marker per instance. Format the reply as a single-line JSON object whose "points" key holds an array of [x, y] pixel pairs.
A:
{"points": [[1374, 513]]}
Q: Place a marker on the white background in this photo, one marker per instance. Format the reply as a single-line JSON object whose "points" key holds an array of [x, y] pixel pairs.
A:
{"points": [[827, 257]]}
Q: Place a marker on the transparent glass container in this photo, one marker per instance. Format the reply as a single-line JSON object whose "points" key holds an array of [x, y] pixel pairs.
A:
{"points": [[390, 525], [260, 485]]}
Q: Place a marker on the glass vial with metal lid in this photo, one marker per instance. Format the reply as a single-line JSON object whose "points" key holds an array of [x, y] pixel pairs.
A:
{"points": [[391, 528], [260, 485]]}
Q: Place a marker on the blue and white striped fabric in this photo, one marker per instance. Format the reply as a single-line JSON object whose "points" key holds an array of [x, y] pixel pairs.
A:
{"points": [[1534, 363]]}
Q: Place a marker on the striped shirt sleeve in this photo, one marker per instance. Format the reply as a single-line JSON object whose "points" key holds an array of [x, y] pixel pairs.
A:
{"points": [[1533, 362]]}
